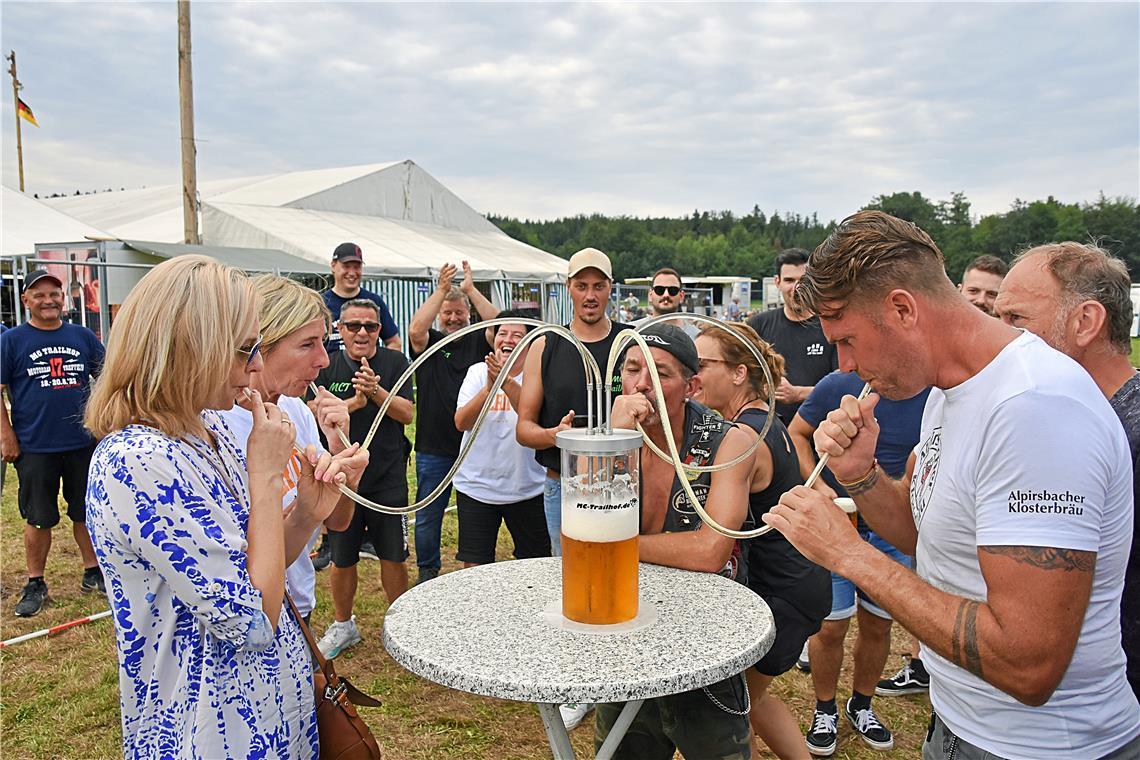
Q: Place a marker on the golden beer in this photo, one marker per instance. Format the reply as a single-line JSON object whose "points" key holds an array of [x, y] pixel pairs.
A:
{"points": [[599, 580]]}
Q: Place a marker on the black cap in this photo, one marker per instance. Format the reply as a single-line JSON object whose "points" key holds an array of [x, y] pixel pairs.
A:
{"points": [[36, 275], [676, 341], [348, 252]]}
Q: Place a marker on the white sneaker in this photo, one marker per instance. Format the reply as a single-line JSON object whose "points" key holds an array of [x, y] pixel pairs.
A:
{"points": [[339, 637], [573, 712], [803, 662]]}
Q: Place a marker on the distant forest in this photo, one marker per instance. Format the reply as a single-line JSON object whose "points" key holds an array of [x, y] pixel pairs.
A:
{"points": [[722, 243]]}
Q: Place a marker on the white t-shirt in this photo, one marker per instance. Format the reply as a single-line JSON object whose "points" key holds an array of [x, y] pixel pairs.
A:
{"points": [[1029, 453], [301, 576], [498, 469]]}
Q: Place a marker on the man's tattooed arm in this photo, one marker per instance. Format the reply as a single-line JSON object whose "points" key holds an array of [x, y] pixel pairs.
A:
{"points": [[1046, 558], [964, 641]]}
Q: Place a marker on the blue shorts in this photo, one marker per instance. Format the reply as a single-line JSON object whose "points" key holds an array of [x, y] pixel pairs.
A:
{"points": [[844, 593]]}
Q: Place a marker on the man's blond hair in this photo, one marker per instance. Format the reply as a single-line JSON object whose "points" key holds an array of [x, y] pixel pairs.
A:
{"points": [[172, 347]]}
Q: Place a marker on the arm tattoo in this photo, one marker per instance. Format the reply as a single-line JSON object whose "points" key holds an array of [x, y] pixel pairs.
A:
{"points": [[1046, 558], [866, 484], [964, 641]]}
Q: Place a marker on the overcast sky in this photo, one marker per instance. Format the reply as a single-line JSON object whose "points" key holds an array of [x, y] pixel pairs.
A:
{"points": [[543, 110]]}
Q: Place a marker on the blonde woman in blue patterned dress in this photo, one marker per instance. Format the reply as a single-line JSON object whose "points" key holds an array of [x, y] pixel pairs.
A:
{"points": [[190, 533]]}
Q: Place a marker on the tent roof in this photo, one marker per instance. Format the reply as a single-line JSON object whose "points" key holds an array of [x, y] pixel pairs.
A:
{"points": [[249, 259], [28, 221], [405, 220]]}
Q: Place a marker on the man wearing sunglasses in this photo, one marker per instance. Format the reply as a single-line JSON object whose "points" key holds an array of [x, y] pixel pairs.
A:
{"points": [[46, 366], [666, 294], [363, 374], [347, 271]]}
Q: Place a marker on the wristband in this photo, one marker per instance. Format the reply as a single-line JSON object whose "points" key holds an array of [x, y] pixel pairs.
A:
{"points": [[860, 480]]}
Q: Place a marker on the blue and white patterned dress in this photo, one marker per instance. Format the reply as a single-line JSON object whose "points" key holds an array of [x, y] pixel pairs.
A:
{"points": [[201, 672]]}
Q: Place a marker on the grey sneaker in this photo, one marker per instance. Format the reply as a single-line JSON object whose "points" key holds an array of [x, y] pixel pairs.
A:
{"points": [[573, 712], [33, 598], [339, 637], [93, 581], [368, 551], [802, 662]]}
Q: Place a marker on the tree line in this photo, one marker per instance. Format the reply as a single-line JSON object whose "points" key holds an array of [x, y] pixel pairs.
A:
{"points": [[723, 243]]}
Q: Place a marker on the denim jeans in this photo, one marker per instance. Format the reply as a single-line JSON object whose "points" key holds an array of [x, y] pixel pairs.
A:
{"points": [[552, 505], [430, 471]]}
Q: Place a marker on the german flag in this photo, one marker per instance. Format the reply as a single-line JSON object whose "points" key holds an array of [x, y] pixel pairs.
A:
{"points": [[25, 112]]}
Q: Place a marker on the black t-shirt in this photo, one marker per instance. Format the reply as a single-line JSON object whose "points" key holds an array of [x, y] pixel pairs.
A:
{"points": [[775, 567], [1126, 403], [388, 454], [807, 354], [437, 390], [564, 385]]}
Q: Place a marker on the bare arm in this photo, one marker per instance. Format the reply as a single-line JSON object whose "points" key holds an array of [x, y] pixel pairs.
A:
{"points": [[848, 436], [268, 449], [9, 444], [801, 432], [1020, 639], [484, 308], [528, 432], [395, 343], [704, 549], [426, 314], [318, 496]]}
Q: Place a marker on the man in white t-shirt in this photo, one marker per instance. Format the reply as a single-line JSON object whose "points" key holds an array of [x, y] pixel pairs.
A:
{"points": [[1017, 498], [499, 480]]}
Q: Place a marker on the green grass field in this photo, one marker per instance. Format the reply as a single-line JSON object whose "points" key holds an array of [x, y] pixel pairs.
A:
{"points": [[59, 696]]}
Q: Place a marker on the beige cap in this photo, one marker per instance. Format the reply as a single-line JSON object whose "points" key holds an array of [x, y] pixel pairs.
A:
{"points": [[590, 257]]}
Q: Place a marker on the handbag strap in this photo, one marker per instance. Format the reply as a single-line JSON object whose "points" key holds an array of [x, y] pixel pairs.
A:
{"points": [[355, 695]]}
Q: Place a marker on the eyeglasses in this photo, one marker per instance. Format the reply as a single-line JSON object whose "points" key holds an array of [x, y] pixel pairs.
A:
{"points": [[355, 327], [663, 289], [250, 352], [703, 363]]}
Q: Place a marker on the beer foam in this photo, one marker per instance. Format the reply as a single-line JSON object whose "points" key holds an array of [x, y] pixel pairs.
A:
{"points": [[846, 504], [588, 517]]}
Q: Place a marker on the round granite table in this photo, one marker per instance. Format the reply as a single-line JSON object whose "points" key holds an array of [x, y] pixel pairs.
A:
{"points": [[495, 630]]}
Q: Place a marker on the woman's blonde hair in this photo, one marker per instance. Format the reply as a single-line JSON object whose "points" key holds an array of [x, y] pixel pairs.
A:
{"points": [[172, 347], [285, 307], [729, 335]]}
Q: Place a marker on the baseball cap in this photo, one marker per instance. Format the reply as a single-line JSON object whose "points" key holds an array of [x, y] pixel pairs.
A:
{"points": [[676, 341], [590, 257], [36, 275], [348, 252]]}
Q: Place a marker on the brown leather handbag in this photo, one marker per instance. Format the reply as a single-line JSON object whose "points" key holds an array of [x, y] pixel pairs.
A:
{"points": [[344, 735]]}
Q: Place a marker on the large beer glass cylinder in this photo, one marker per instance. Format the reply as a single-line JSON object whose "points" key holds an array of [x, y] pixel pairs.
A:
{"points": [[599, 525]]}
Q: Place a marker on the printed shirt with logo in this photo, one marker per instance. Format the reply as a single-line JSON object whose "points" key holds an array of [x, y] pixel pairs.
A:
{"points": [[497, 470], [808, 357], [1029, 453], [48, 374]]}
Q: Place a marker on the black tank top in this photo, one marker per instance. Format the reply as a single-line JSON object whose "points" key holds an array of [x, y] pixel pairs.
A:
{"points": [[704, 432], [775, 567], [564, 385]]}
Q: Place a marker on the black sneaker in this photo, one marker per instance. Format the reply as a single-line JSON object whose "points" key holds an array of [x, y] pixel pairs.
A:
{"points": [[803, 662], [867, 725], [93, 581], [34, 596], [427, 574], [368, 551], [909, 680], [824, 731], [324, 554]]}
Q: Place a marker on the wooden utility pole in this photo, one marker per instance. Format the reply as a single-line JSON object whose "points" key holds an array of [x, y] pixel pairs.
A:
{"points": [[186, 107], [16, 105]]}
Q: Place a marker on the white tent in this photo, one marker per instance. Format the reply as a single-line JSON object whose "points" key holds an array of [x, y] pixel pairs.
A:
{"points": [[27, 221], [407, 223]]}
